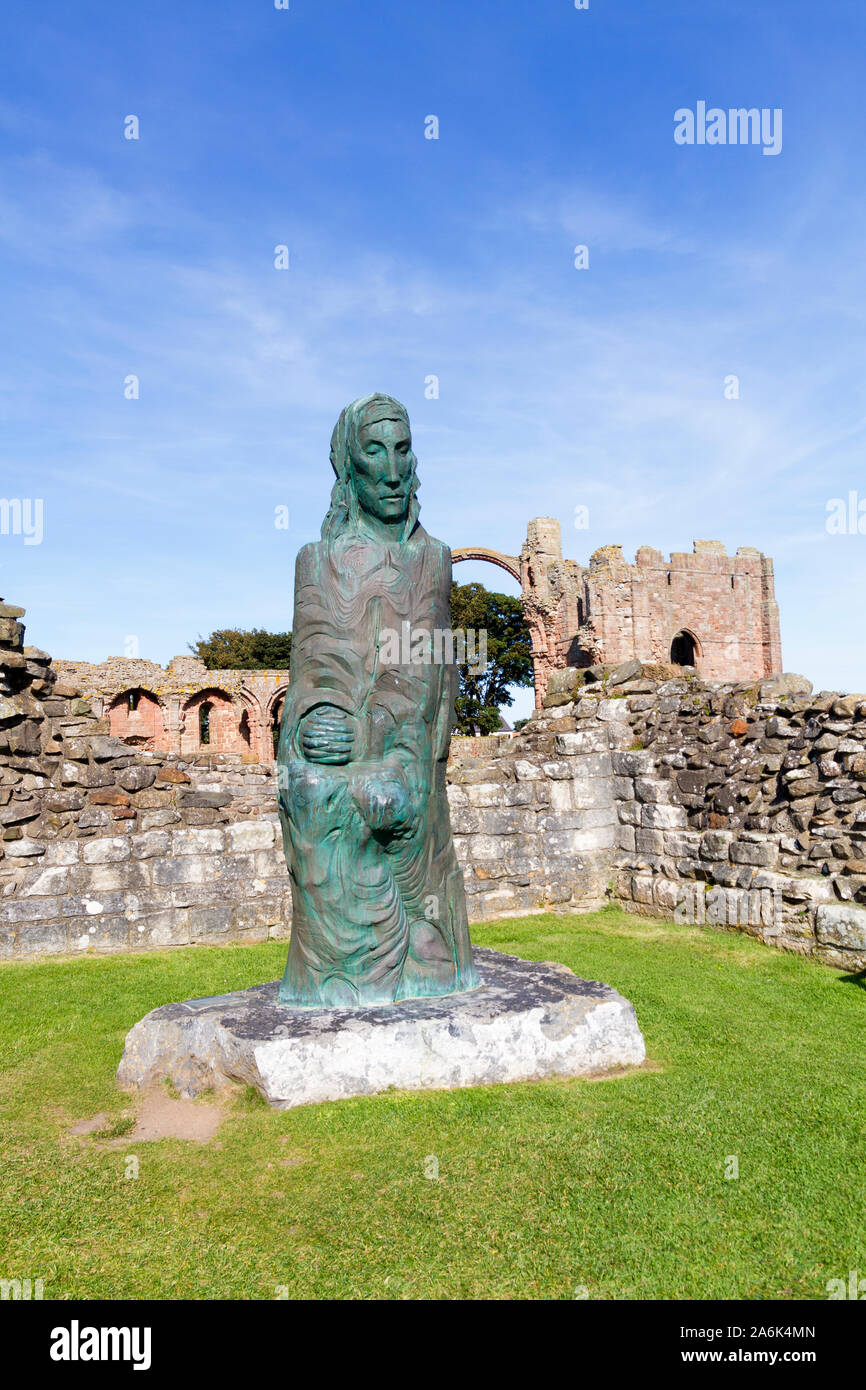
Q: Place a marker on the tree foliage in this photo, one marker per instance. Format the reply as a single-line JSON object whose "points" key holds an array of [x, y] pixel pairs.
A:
{"points": [[509, 655], [234, 649], [480, 696]]}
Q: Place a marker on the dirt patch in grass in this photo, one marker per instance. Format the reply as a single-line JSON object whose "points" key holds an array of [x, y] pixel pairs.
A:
{"points": [[157, 1116], [82, 1127]]}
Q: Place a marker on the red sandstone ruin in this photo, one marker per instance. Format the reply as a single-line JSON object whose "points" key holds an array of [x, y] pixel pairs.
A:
{"points": [[710, 610], [184, 708]]}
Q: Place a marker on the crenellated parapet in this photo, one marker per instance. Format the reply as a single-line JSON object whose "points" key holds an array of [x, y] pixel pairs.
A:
{"points": [[701, 608]]}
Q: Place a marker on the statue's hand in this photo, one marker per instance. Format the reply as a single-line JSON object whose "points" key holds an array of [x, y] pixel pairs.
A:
{"points": [[327, 735], [384, 803]]}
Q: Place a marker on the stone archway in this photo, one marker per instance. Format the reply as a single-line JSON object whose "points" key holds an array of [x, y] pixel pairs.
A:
{"points": [[136, 716], [273, 717], [510, 563], [541, 635], [685, 648], [209, 724]]}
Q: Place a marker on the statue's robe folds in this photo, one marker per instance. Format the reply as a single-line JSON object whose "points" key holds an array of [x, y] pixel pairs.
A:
{"points": [[379, 905]]}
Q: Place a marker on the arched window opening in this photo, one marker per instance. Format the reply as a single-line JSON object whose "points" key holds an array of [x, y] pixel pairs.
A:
{"points": [[134, 697], [276, 720], [244, 728], [684, 649], [204, 723]]}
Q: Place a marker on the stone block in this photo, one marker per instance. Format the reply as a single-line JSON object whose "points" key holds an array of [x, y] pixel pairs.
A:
{"points": [[635, 762], [764, 855], [652, 789], [111, 849], [612, 710], [108, 878], [525, 771], [841, 925], [23, 848], [583, 741], [518, 795], [41, 939], [104, 748], [200, 841], [649, 841], [187, 869], [249, 835], [654, 817], [557, 770], [15, 910], [525, 1021], [591, 792], [561, 796], [465, 821], [715, 844], [211, 921], [625, 837], [101, 934], [44, 882], [93, 905], [642, 889], [485, 794], [148, 844], [667, 894], [169, 927]]}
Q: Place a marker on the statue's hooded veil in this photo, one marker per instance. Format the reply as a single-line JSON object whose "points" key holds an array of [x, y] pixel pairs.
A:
{"points": [[343, 513]]}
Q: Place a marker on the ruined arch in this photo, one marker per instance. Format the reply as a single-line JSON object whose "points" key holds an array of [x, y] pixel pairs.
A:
{"points": [[686, 649], [136, 715], [273, 716], [510, 563], [249, 727], [223, 719]]}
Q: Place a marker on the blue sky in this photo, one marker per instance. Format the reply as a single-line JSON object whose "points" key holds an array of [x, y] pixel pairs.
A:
{"points": [[411, 257]]}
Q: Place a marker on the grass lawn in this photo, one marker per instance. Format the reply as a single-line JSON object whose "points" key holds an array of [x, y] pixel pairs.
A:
{"points": [[615, 1186]]}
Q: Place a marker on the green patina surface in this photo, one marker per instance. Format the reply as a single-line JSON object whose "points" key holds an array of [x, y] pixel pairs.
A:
{"points": [[379, 906]]}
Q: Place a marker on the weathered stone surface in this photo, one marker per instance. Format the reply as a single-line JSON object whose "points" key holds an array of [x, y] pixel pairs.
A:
{"points": [[25, 848], [135, 779], [842, 925], [525, 1021], [565, 681], [105, 747], [788, 683], [626, 671]]}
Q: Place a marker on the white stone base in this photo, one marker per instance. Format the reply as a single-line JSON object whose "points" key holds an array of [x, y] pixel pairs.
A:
{"points": [[526, 1020]]}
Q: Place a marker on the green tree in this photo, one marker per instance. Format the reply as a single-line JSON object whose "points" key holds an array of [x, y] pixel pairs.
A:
{"points": [[509, 655], [481, 695], [234, 649]]}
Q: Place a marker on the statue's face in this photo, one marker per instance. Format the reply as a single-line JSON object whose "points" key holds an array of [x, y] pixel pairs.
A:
{"points": [[383, 469]]}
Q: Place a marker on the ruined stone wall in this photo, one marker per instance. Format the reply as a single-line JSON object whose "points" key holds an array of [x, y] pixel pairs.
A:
{"points": [[739, 805], [725, 603], [610, 611], [160, 708], [109, 846], [742, 805]]}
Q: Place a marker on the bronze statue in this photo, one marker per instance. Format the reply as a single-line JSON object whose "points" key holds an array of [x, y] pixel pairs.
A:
{"points": [[379, 906]]}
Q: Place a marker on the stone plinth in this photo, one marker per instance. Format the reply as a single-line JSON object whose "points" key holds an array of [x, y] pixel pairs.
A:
{"points": [[525, 1021]]}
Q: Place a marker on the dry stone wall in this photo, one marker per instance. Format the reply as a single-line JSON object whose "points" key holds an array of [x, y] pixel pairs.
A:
{"points": [[740, 805], [109, 847]]}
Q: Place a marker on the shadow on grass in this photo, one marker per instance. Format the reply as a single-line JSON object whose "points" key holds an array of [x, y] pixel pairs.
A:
{"points": [[859, 979]]}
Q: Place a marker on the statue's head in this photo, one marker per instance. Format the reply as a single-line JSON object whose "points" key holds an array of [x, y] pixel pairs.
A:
{"points": [[371, 454]]}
